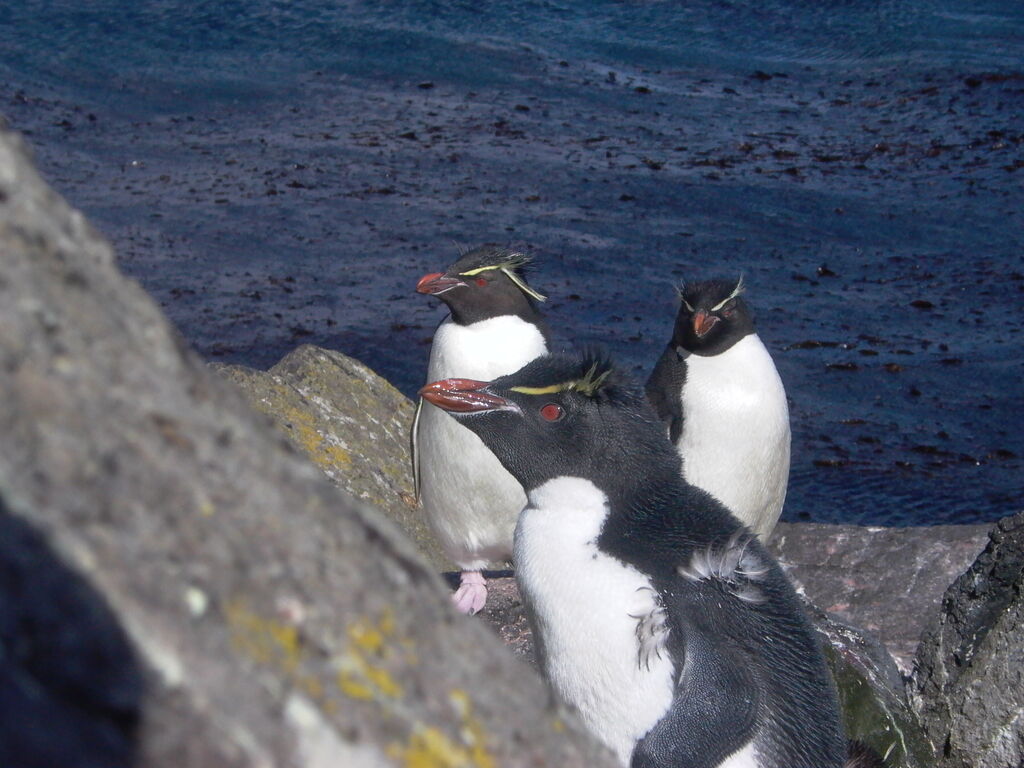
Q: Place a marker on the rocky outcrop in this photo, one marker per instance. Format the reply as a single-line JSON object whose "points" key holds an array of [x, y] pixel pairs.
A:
{"points": [[355, 426], [888, 581], [968, 682], [858, 574], [274, 620], [352, 423]]}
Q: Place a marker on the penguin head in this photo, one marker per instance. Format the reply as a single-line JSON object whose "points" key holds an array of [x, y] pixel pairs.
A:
{"points": [[486, 282], [561, 416], [712, 316]]}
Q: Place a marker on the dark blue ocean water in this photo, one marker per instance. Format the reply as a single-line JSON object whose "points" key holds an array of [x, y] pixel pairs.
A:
{"points": [[283, 172]]}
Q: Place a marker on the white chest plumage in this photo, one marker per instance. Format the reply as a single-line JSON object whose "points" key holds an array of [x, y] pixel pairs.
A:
{"points": [[585, 606], [470, 500], [736, 435]]}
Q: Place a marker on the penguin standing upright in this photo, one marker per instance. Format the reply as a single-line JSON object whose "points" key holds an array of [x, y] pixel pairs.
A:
{"points": [[656, 613], [717, 388], [494, 328]]}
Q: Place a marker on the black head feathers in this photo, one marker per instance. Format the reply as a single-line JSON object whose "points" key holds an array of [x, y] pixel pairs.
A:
{"points": [[710, 295], [486, 258], [712, 317], [592, 375]]}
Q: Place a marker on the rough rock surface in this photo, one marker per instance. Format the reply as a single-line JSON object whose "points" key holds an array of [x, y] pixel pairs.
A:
{"points": [[860, 574], [352, 423], [969, 673], [876, 709], [276, 621]]}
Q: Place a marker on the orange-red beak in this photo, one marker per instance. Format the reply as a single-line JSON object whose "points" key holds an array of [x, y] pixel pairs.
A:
{"points": [[703, 323], [463, 396], [437, 283]]}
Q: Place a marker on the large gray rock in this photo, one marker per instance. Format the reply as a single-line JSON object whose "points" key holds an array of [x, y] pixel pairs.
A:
{"points": [[888, 581], [969, 674], [352, 423], [275, 621]]}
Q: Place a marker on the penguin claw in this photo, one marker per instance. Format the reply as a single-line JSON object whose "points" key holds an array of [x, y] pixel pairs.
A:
{"points": [[471, 595]]}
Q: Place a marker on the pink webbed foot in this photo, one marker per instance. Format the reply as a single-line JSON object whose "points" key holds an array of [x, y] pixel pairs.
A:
{"points": [[471, 594]]}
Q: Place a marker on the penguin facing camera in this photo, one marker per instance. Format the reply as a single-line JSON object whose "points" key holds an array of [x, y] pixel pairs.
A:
{"points": [[494, 328], [655, 612], [717, 389]]}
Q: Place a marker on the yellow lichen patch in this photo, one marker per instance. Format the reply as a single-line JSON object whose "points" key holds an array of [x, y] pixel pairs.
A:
{"points": [[430, 748], [361, 675], [303, 432], [266, 641], [472, 729], [557, 725]]}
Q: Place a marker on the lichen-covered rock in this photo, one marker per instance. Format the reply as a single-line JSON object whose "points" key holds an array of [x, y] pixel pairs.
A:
{"points": [[275, 620], [876, 710], [968, 683], [352, 423]]}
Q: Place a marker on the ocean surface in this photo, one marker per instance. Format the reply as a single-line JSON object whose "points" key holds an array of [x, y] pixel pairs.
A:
{"points": [[278, 172]]}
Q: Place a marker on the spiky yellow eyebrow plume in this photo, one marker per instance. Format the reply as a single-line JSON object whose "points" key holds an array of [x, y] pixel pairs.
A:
{"points": [[735, 292], [681, 292], [588, 385], [508, 266]]}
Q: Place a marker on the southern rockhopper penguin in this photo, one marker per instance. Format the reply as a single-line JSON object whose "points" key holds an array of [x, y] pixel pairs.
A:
{"points": [[494, 328], [717, 389], [655, 612]]}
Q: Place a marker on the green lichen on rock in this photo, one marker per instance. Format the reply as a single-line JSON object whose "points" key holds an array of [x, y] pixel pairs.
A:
{"points": [[352, 423], [874, 705]]}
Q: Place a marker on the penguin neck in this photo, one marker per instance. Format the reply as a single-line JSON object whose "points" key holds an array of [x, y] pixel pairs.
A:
{"points": [[515, 305], [658, 513], [686, 341]]}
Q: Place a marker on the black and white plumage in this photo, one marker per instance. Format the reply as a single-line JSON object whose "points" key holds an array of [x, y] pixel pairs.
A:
{"points": [[656, 613], [718, 390], [494, 328]]}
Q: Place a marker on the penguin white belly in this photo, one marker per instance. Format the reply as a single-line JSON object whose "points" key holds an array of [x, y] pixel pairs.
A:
{"points": [[744, 758], [584, 606], [469, 498], [736, 435]]}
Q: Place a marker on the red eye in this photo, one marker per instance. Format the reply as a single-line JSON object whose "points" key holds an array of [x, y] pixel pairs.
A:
{"points": [[481, 281], [552, 412]]}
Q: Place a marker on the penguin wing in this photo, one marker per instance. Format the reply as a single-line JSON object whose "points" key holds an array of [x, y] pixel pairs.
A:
{"points": [[714, 707], [664, 389], [414, 439]]}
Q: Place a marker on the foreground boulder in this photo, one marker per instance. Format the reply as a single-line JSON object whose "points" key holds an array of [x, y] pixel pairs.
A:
{"points": [[968, 682], [352, 423], [271, 619]]}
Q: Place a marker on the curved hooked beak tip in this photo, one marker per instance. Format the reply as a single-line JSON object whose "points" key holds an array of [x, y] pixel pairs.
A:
{"points": [[463, 396], [703, 323], [437, 283]]}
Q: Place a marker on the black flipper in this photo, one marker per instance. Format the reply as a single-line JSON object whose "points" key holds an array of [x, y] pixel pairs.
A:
{"points": [[664, 388], [712, 715]]}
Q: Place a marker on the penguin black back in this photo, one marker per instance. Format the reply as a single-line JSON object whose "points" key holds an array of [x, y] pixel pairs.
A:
{"points": [[745, 682]]}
